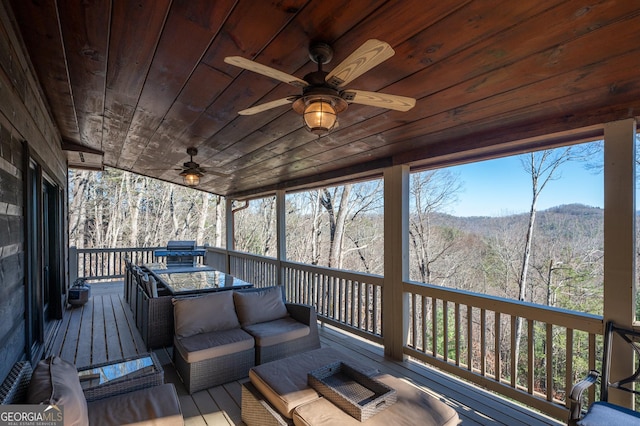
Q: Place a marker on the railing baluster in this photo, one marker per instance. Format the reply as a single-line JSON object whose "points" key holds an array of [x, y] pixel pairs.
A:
{"points": [[530, 360], [423, 321], [457, 332], [434, 326], [568, 379], [497, 368], [483, 342], [549, 361], [592, 364], [377, 309], [469, 338], [445, 330], [413, 318], [514, 367]]}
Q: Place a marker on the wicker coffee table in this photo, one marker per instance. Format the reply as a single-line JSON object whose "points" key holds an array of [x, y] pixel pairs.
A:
{"points": [[278, 394], [113, 378]]}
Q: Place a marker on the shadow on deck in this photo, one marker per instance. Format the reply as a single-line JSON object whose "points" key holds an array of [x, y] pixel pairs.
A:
{"points": [[104, 330]]}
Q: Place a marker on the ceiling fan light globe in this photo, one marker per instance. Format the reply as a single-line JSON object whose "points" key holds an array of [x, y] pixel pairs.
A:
{"points": [[191, 179], [319, 117]]}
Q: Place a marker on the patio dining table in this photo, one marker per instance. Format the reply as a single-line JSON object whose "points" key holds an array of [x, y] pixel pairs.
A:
{"points": [[193, 280]]}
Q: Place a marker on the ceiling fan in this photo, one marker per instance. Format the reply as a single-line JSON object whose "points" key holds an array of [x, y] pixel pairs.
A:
{"points": [[323, 93], [191, 171]]}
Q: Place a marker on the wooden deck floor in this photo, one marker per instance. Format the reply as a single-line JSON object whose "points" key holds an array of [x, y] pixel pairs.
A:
{"points": [[103, 330]]}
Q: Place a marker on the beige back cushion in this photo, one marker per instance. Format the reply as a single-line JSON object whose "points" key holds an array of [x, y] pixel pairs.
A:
{"points": [[259, 306], [203, 314], [55, 382]]}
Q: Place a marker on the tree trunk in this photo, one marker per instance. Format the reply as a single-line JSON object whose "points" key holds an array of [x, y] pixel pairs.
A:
{"points": [[202, 222], [315, 228]]}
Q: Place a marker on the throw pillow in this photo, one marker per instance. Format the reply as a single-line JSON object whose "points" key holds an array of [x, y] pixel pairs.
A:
{"points": [[55, 382], [259, 306], [203, 314]]}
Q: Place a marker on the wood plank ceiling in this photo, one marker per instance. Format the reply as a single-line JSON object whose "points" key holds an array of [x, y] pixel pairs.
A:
{"points": [[143, 80]]}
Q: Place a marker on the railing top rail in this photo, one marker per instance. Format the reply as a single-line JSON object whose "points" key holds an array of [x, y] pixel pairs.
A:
{"points": [[322, 270], [245, 255], [548, 314], [116, 249], [340, 273]]}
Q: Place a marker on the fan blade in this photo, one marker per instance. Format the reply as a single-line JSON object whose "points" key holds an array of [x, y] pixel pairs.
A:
{"points": [[266, 106], [210, 171], [382, 100], [250, 65], [373, 52]]}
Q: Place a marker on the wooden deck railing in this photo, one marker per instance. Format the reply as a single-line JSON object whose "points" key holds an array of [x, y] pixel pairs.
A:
{"points": [[348, 300], [470, 335], [107, 263], [474, 336]]}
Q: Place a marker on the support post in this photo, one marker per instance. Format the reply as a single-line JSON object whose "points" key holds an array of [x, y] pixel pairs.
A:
{"points": [[73, 265], [396, 260], [619, 242], [229, 232], [281, 235]]}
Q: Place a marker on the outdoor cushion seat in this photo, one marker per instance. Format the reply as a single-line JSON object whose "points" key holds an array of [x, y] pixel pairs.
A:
{"points": [[216, 334], [56, 381], [413, 407], [605, 413], [213, 344], [153, 406], [209, 347], [278, 331], [284, 382]]}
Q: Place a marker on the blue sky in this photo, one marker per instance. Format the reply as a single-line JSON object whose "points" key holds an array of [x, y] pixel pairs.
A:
{"points": [[502, 187]]}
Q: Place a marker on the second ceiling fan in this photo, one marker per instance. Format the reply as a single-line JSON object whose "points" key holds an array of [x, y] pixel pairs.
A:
{"points": [[323, 93]]}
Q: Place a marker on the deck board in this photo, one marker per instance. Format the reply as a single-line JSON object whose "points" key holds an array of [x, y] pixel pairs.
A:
{"points": [[104, 328]]}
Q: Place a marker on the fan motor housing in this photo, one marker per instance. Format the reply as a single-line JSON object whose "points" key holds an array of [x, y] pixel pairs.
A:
{"points": [[324, 93]]}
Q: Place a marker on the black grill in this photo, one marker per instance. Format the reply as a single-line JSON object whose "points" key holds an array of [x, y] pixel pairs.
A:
{"points": [[181, 253]]}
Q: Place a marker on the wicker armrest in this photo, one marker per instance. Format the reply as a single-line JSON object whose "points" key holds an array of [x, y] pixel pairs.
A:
{"points": [[305, 314], [14, 388], [576, 395]]}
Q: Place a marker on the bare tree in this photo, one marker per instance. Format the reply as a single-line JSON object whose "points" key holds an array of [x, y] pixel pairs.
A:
{"points": [[431, 191], [542, 167]]}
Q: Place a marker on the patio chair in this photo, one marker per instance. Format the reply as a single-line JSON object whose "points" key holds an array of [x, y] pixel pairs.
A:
{"points": [[603, 412]]}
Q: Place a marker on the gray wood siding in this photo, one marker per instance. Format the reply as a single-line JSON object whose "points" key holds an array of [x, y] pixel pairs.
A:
{"points": [[24, 119]]}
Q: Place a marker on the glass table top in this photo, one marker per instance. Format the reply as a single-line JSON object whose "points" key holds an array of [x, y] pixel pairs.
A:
{"points": [[199, 281], [161, 268], [116, 371]]}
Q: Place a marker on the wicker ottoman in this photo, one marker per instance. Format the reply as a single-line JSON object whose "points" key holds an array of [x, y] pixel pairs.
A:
{"points": [[413, 407], [276, 388]]}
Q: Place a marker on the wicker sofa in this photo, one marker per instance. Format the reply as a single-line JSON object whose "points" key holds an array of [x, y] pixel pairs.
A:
{"points": [[56, 382], [220, 336]]}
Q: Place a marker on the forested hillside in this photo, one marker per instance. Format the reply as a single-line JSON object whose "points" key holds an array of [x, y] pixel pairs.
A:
{"points": [[343, 227]]}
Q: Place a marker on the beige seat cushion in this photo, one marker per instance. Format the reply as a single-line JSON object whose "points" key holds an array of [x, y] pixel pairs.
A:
{"points": [[214, 344], [56, 382], [155, 406], [202, 314], [277, 331], [414, 407], [259, 306], [284, 382]]}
